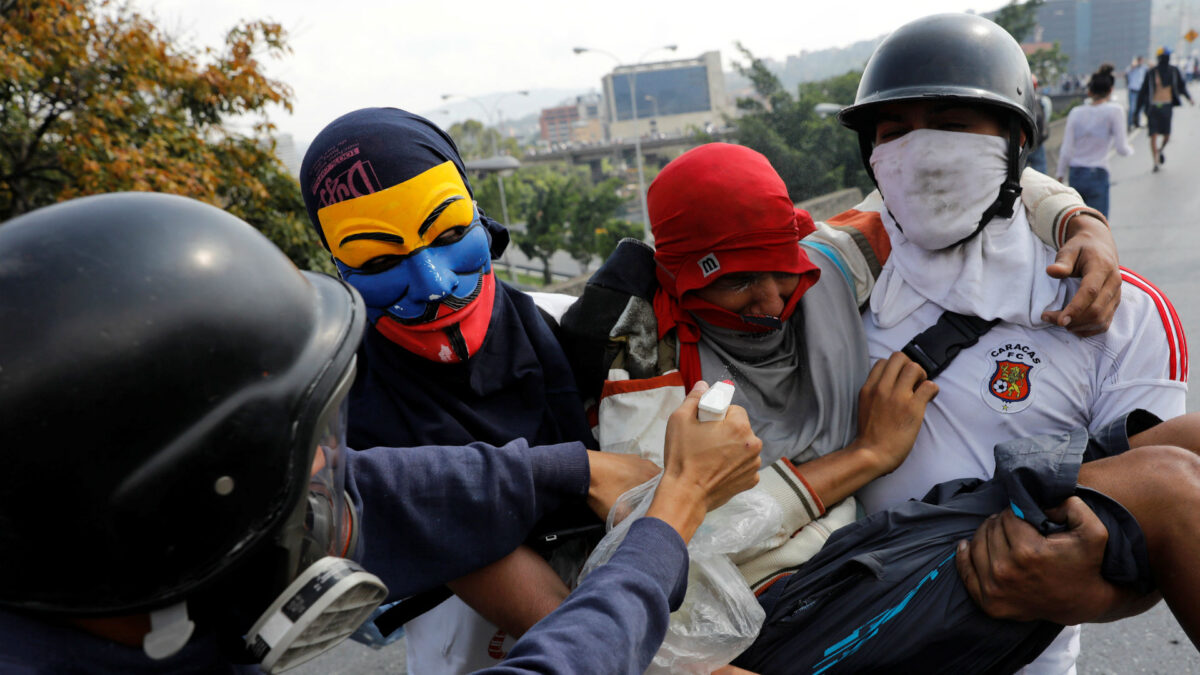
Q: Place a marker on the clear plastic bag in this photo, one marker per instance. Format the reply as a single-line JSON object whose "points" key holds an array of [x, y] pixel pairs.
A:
{"points": [[720, 616]]}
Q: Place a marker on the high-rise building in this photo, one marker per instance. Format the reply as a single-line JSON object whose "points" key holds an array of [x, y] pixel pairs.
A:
{"points": [[1092, 32], [672, 96], [579, 122], [556, 123]]}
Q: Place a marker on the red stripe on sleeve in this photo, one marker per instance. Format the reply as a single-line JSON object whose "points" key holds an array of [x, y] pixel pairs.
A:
{"points": [[1176, 339]]}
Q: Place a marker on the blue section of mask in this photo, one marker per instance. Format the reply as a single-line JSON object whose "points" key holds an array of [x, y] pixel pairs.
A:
{"points": [[428, 276]]}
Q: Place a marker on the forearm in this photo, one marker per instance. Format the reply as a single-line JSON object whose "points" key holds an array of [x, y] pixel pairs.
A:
{"points": [[1126, 603], [1082, 222], [514, 592], [840, 474], [679, 504], [1053, 208], [1182, 432]]}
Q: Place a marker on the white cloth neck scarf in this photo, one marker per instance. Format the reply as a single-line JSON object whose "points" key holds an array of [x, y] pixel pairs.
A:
{"points": [[999, 274]]}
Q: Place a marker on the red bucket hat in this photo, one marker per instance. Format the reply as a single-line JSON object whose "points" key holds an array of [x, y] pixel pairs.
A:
{"points": [[715, 210]]}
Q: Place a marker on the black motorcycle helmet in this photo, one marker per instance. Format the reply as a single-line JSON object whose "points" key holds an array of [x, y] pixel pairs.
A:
{"points": [[163, 372], [960, 57]]}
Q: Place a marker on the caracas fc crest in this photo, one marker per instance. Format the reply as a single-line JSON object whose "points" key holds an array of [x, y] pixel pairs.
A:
{"points": [[1009, 387]]}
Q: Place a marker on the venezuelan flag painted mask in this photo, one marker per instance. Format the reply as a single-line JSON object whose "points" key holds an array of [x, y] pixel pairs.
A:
{"points": [[387, 192]]}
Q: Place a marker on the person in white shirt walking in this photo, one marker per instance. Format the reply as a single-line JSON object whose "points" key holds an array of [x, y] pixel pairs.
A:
{"points": [[1092, 129], [1135, 75]]}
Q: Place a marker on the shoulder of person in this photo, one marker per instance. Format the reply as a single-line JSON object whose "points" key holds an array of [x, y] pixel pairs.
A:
{"points": [[1145, 309]]}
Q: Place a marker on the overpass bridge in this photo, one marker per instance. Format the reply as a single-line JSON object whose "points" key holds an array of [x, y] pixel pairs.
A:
{"points": [[656, 151]]}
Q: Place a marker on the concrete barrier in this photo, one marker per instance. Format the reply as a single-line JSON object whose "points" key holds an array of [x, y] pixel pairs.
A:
{"points": [[828, 205], [569, 286], [1053, 144]]}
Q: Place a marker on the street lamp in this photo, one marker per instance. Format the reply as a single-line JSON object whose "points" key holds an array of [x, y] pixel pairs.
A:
{"points": [[496, 153], [826, 109], [637, 137]]}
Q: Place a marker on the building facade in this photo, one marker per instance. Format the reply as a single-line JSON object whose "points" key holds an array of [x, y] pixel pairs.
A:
{"points": [[556, 123], [578, 122], [672, 97], [1092, 32]]}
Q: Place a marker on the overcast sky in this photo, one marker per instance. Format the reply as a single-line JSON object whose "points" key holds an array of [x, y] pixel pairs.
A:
{"points": [[354, 53]]}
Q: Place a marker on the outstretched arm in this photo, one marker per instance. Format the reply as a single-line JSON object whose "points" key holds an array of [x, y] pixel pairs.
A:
{"points": [[432, 499], [520, 589], [891, 408]]}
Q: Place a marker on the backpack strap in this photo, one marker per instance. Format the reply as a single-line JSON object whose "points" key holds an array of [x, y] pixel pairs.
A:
{"points": [[410, 608], [935, 347]]}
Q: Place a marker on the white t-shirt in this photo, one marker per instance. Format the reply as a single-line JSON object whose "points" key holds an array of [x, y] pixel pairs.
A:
{"points": [[1092, 129], [1018, 381]]}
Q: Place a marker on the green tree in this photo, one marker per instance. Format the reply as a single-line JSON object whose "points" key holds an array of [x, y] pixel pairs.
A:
{"points": [[1048, 65], [612, 233], [95, 98], [516, 192], [547, 214], [476, 140], [563, 211], [813, 154], [1018, 18], [592, 218]]}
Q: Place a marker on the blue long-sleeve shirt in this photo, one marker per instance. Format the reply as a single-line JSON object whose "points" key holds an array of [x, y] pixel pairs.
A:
{"points": [[616, 619], [431, 514]]}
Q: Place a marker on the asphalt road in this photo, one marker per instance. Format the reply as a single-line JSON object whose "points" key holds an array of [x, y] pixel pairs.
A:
{"points": [[1154, 220], [1157, 227]]}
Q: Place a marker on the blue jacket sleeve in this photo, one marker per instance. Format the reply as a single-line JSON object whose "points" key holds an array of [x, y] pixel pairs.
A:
{"points": [[432, 514], [615, 620]]}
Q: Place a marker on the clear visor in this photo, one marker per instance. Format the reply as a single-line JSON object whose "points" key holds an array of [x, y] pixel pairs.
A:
{"points": [[329, 518]]}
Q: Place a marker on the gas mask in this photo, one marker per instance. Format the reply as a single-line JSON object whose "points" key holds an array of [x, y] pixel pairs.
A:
{"points": [[332, 595], [324, 595]]}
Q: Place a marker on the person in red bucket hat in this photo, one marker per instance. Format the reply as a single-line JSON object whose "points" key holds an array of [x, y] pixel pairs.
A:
{"points": [[699, 258]]}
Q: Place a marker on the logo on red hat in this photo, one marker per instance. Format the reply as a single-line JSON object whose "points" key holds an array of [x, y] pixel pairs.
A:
{"points": [[709, 265]]}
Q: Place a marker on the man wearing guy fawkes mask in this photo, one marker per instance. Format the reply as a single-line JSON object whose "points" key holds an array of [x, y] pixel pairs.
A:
{"points": [[945, 114], [452, 356]]}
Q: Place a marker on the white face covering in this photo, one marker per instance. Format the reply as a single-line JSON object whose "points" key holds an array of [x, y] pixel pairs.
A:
{"points": [[937, 184]]}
